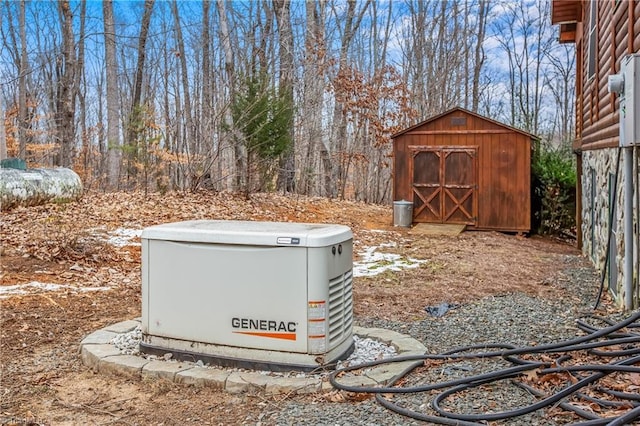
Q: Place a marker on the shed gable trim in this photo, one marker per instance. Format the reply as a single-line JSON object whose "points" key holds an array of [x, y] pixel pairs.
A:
{"points": [[460, 109], [461, 132]]}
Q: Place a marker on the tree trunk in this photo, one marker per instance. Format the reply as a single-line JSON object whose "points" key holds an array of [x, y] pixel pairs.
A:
{"points": [[190, 136], [67, 89], [313, 92], [136, 101], [282, 9], [3, 135], [483, 12], [171, 134], [23, 122], [207, 111], [239, 182], [113, 105], [80, 94]]}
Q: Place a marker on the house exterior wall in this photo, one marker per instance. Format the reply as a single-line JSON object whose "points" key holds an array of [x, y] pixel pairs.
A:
{"points": [[615, 33], [604, 32]]}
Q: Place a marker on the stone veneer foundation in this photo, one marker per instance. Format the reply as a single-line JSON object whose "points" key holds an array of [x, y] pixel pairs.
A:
{"points": [[598, 180]]}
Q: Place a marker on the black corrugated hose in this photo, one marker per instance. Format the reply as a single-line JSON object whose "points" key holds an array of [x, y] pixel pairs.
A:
{"points": [[580, 377]]}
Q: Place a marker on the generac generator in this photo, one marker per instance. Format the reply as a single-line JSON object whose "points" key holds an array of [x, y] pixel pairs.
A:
{"points": [[262, 295]]}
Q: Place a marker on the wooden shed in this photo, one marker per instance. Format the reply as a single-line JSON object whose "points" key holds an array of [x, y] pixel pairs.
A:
{"points": [[460, 167]]}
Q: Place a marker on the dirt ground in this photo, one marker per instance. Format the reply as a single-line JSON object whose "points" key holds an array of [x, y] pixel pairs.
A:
{"points": [[42, 380]]}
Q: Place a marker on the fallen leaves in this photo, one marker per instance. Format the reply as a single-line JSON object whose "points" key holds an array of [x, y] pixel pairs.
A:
{"points": [[343, 396], [634, 378]]}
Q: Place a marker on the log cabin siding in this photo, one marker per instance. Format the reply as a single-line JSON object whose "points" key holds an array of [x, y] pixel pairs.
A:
{"points": [[618, 33]]}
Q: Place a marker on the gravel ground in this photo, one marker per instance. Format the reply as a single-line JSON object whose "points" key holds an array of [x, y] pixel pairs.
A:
{"points": [[516, 319]]}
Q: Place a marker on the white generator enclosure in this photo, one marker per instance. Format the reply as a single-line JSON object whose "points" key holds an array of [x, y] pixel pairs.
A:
{"points": [[263, 295]]}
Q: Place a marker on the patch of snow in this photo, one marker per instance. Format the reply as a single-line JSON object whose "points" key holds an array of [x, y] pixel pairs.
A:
{"points": [[122, 237], [119, 237], [34, 287], [373, 262]]}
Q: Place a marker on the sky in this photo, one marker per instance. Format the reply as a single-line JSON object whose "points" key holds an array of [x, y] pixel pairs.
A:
{"points": [[42, 20]]}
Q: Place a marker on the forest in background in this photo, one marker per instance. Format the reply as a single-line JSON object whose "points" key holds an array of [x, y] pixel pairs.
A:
{"points": [[263, 95]]}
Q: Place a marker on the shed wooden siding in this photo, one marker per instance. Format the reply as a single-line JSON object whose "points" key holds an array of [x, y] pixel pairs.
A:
{"points": [[617, 34], [503, 194]]}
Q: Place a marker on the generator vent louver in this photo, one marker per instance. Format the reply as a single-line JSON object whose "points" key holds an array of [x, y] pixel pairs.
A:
{"points": [[340, 306]]}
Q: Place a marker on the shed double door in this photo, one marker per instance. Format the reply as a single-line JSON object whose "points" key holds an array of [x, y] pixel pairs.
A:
{"points": [[444, 185]]}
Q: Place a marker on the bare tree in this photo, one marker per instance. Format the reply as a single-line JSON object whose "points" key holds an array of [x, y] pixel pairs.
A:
{"points": [[81, 92], [283, 19], [561, 82], [314, 61], [136, 100], [229, 66], [526, 41], [334, 167], [165, 94], [479, 54], [14, 41], [433, 71], [23, 121], [113, 106], [189, 131], [69, 76], [207, 110], [3, 135]]}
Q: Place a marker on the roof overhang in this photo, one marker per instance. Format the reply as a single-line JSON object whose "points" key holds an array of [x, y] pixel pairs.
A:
{"points": [[566, 11], [567, 14]]}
